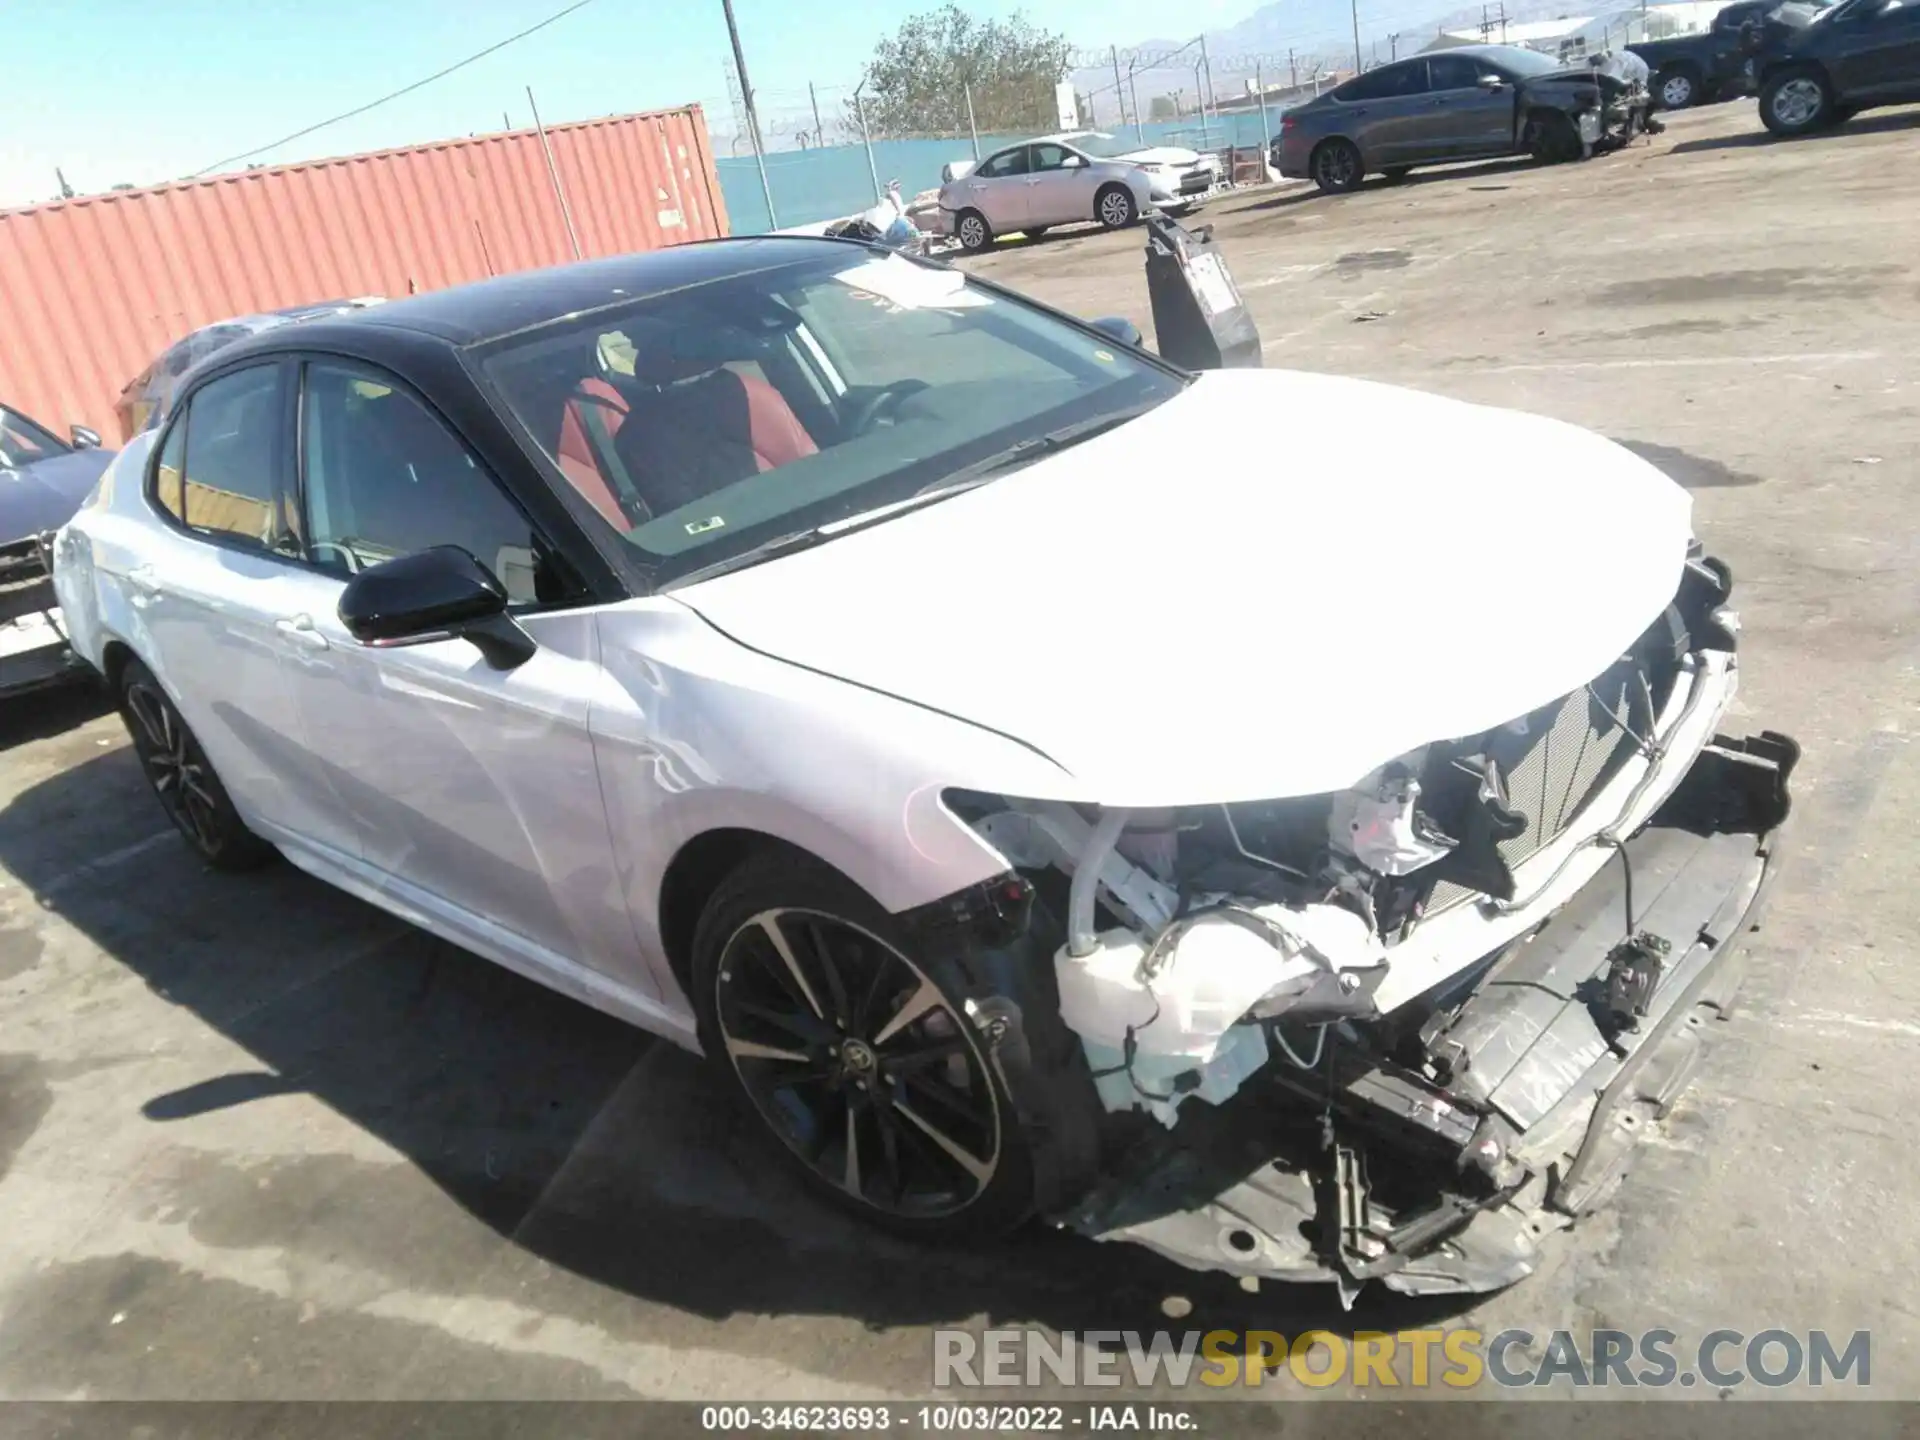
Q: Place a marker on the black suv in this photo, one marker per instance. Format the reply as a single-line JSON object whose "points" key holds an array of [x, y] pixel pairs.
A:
{"points": [[1859, 54]]}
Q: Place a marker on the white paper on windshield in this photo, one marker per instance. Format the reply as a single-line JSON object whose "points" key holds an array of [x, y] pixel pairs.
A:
{"points": [[1210, 283], [902, 283]]}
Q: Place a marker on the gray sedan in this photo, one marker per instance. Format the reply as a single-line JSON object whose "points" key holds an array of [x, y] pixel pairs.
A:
{"points": [[1471, 103]]}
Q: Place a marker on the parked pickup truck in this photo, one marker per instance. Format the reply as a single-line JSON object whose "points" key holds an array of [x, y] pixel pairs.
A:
{"points": [[1718, 64]]}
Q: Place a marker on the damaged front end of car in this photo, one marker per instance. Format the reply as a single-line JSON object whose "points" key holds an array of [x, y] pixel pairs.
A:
{"points": [[1607, 97], [1402, 1032]]}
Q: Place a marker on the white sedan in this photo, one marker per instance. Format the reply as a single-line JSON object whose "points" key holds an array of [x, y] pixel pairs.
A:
{"points": [[1037, 184], [852, 671]]}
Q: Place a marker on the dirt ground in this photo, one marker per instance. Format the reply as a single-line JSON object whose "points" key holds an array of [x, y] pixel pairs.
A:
{"points": [[258, 1140]]}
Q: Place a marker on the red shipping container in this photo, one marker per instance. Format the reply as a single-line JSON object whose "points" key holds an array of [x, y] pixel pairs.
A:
{"points": [[92, 289]]}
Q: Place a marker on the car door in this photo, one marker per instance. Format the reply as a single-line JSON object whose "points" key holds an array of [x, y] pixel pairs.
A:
{"points": [[474, 789], [211, 590], [1386, 113], [998, 188], [1878, 54], [1060, 185], [1470, 118]]}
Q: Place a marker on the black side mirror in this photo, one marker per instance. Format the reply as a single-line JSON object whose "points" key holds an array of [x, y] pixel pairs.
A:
{"points": [[1120, 328], [84, 438], [438, 594]]}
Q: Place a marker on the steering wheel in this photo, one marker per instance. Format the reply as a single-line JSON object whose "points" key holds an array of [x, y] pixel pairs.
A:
{"points": [[863, 419]]}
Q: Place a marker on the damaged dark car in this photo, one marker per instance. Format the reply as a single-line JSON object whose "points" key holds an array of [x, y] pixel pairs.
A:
{"points": [[1476, 102]]}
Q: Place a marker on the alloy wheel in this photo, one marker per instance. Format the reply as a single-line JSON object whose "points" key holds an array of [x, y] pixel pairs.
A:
{"points": [[1677, 92], [1798, 102], [1336, 166], [859, 1062], [173, 762], [1115, 209], [973, 233]]}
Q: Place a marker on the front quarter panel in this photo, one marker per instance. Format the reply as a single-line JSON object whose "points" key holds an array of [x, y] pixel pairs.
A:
{"points": [[695, 733]]}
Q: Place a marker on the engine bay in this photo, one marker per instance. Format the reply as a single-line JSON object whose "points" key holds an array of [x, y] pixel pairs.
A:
{"points": [[1403, 1000]]}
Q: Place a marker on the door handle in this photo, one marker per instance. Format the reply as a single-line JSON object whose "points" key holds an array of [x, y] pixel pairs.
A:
{"points": [[300, 629]]}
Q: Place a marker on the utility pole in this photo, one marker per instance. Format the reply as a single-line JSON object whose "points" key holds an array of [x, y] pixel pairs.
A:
{"points": [[1503, 22], [860, 114], [1486, 25], [1133, 89], [1293, 72], [1266, 135], [1356, 37], [1393, 46], [1119, 95], [753, 118], [1206, 65], [819, 135]]}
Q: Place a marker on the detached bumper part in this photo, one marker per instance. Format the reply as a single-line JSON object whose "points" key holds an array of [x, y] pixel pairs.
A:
{"points": [[1535, 1093]]}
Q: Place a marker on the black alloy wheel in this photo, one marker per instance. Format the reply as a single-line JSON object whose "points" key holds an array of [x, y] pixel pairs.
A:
{"points": [[1337, 167], [182, 777], [859, 1062]]}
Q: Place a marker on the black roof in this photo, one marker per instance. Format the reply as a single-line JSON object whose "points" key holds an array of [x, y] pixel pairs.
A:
{"points": [[486, 309]]}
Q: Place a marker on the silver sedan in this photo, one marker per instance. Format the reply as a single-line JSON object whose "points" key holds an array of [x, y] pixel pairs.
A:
{"points": [[1037, 184]]}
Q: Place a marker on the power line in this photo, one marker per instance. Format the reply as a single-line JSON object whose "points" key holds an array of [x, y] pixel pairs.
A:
{"points": [[395, 95]]}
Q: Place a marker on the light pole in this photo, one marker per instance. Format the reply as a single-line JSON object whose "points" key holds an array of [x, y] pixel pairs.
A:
{"points": [[753, 117], [1356, 45]]}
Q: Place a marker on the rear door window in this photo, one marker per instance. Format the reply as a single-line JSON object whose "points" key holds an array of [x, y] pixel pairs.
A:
{"points": [[220, 466]]}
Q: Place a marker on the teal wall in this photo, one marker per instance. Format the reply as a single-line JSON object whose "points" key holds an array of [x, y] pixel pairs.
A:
{"points": [[824, 184]]}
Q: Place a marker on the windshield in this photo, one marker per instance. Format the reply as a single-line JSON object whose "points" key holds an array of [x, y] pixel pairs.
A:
{"points": [[705, 423], [1523, 63], [22, 442]]}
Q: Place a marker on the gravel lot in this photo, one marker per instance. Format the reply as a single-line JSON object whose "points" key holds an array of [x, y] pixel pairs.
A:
{"points": [[258, 1140]]}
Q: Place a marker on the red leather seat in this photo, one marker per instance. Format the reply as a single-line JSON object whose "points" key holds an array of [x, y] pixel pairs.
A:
{"points": [[594, 404], [684, 441]]}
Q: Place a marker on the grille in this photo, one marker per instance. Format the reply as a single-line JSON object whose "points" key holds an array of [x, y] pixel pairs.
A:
{"points": [[1569, 750], [25, 586]]}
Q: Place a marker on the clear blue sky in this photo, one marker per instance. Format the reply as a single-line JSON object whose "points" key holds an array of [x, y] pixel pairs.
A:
{"points": [[148, 90]]}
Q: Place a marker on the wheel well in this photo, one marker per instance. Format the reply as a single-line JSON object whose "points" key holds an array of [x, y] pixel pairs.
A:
{"points": [[1796, 67], [113, 660], [692, 876], [1690, 68]]}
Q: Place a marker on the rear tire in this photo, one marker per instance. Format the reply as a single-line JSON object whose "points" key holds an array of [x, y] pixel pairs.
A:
{"points": [[1115, 208], [1796, 102], [970, 228], [182, 778], [1677, 89], [799, 984], [1337, 167]]}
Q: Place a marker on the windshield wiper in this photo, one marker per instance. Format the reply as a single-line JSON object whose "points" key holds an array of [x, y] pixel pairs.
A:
{"points": [[1029, 450], [968, 477]]}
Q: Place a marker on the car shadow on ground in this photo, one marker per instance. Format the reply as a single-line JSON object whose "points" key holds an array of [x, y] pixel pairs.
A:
{"points": [[1441, 174], [1760, 135], [41, 714], [584, 1143]]}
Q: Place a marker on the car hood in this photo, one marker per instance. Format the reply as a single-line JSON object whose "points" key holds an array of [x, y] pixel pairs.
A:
{"points": [[1267, 586], [1161, 155], [44, 495]]}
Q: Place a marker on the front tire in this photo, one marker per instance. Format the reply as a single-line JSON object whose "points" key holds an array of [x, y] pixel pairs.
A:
{"points": [[1551, 138], [182, 778], [973, 232], [1796, 102], [1337, 167], [858, 1056], [1115, 208]]}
